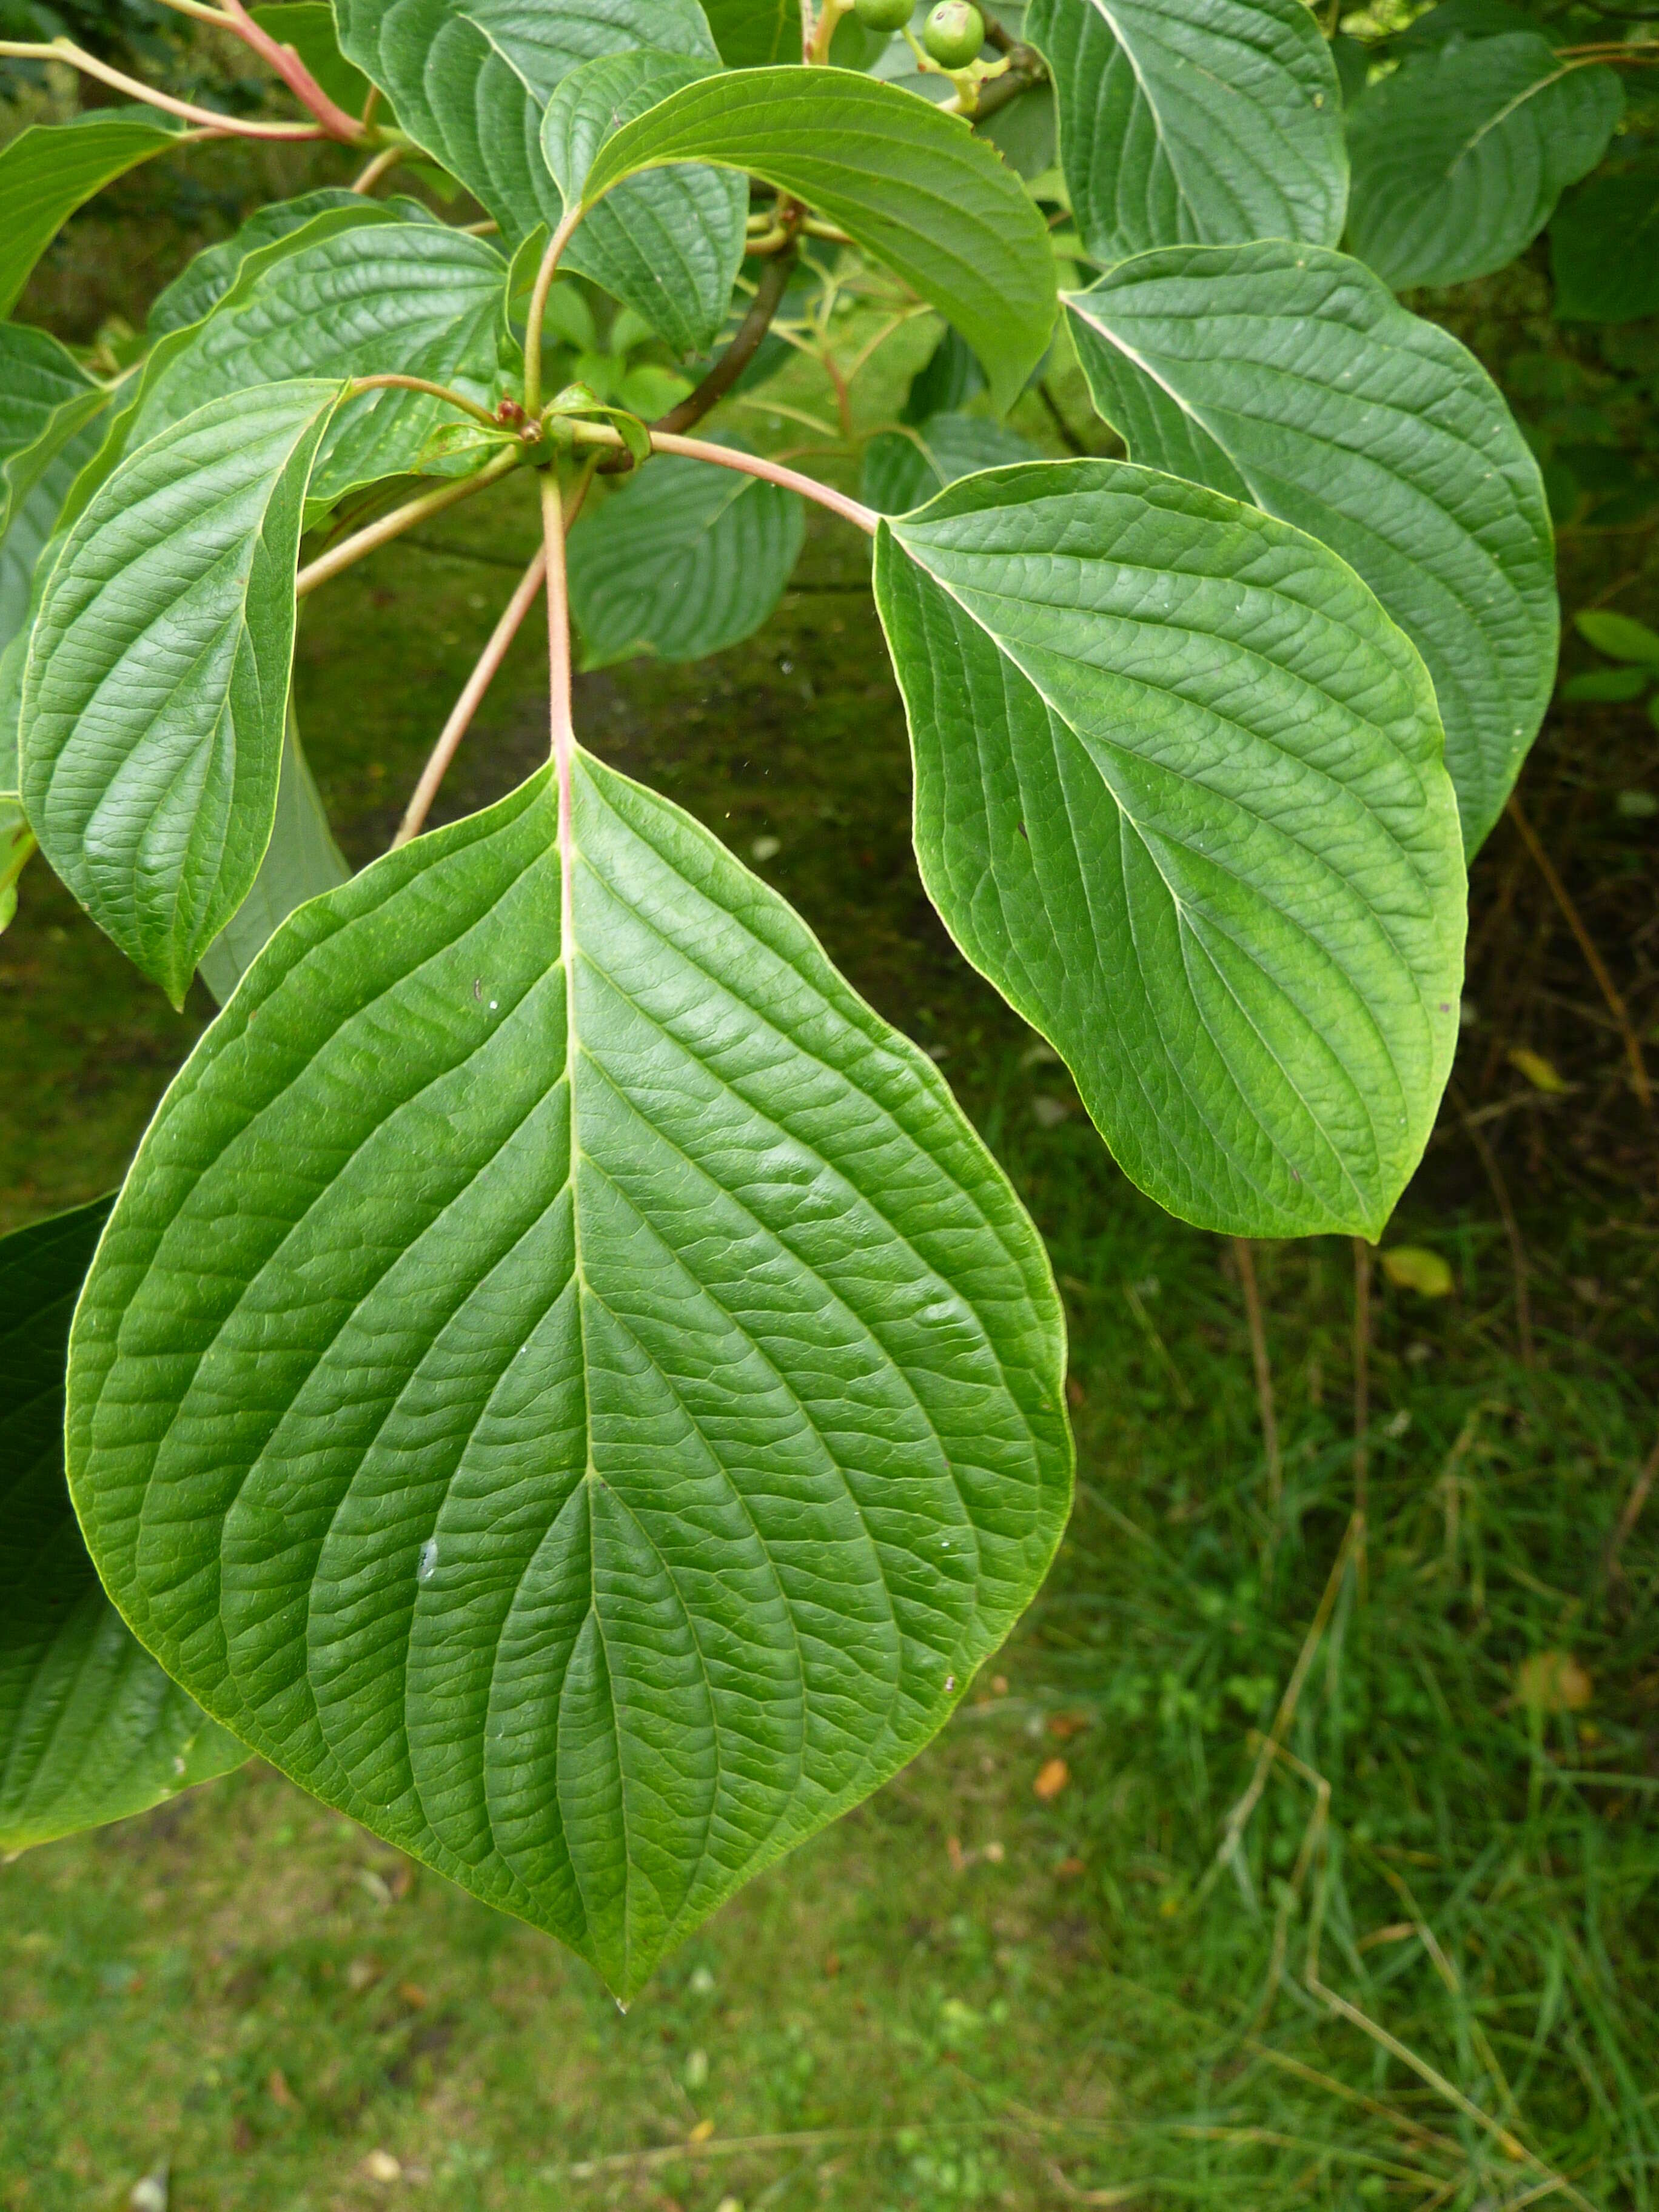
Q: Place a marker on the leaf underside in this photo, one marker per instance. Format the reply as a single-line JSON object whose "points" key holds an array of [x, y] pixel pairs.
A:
{"points": [[302, 862], [1460, 157], [91, 1729], [471, 81], [155, 692], [1290, 376], [1180, 795], [903, 471], [402, 298], [683, 562], [585, 1417], [1207, 121]]}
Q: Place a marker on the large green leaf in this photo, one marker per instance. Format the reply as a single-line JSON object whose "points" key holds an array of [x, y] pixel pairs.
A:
{"points": [[1460, 157], [50, 170], [91, 1729], [1604, 248], [471, 81], [155, 692], [912, 185], [302, 862], [409, 298], [563, 1375], [1194, 121], [684, 561], [752, 34], [902, 469], [225, 279], [670, 242], [198, 289], [1180, 795], [1291, 376]]}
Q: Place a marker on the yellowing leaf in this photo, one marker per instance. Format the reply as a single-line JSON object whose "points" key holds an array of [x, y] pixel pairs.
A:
{"points": [[1413, 1267], [1553, 1682], [1541, 1073], [1052, 1778]]}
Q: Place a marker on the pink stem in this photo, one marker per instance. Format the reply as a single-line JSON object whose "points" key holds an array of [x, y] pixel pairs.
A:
{"points": [[466, 706], [222, 126], [748, 465], [294, 75]]}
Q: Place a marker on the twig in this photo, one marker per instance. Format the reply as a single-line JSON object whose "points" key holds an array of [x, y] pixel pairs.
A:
{"points": [[748, 464], [383, 162], [466, 706], [537, 311], [745, 344], [353, 549], [1264, 1374], [392, 381], [209, 119], [1616, 1006], [1500, 1193], [295, 76]]}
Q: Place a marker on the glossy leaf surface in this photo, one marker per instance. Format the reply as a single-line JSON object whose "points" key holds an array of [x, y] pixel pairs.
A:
{"points": [[200, 286], [1292, 377], [49, 170], [1460, 157], [913, 186], [1180, 796], [563, 1375], [156, 693], [1194, 121], [669, 243], [409, 298], [91, 1729], [903, 470], [471, 79], [682, 561], [302, 862]]}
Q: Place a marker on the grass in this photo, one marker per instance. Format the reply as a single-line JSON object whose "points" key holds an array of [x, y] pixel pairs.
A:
{"points": [[1425, 1976]]}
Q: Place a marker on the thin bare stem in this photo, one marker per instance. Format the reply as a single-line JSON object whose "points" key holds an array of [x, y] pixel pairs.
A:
{"points": [[748, 465], [203, 14], [294, 75], [466, 706], [1245, 1255], [225, 126], [352, 550], [745, 344], [543, 284], [391, 382], [383, 164], [1616, 1006]]}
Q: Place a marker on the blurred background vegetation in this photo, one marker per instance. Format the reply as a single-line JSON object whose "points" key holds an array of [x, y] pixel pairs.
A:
{"points": [[1268, 1867]]}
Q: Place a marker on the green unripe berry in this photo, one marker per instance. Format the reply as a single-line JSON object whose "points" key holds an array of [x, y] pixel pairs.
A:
{"points": [[954, 34], [883, 15]]}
